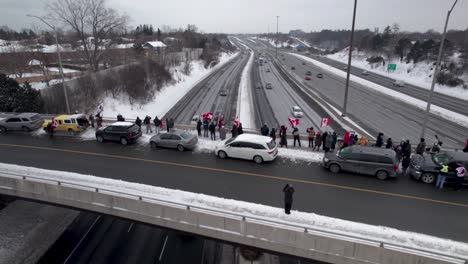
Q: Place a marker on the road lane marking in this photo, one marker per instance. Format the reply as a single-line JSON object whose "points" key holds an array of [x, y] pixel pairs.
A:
{"points": [[242, 173], [130, 227], [81, 240], [164, 247]]}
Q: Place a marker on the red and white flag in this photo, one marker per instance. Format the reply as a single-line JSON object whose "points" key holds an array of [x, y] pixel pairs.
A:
{"points": [[293, 121], [325, 122], [208, 116], [236, 121], [54, 124]]}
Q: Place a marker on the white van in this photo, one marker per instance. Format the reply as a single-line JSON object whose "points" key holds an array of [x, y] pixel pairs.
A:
{"points": [[399, 83], [250, 147]]}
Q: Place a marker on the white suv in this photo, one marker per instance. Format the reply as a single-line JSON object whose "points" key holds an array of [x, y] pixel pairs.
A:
{"points": [[297, 111], [249, 147]]}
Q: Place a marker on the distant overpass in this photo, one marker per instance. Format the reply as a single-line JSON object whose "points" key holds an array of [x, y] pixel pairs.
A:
{"points": [[262, 233]]}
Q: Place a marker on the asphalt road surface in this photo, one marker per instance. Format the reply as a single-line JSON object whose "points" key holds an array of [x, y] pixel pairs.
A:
{"points": [[94, 238], [206, 96], [401, 203]]}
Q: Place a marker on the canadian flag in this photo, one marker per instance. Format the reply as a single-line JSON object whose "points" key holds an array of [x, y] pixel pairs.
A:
{"points": [[293, 121], [236, 121], [325, 122], [54, 124], [160, 123], [207, 115]]}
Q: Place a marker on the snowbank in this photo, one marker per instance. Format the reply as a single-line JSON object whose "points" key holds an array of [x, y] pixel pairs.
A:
{"points": [[305, 43], [416, 74], [245, 101], [165, 99], [437, 110], [379, 233]]}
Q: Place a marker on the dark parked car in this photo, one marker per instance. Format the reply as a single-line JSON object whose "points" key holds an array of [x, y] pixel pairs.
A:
{"points": [[177, 139], [124, 132], [380, 162], [259, 86], [268, 86], [426, 167], [308, 73], [222, 93], [24, 121], [293, 68], [319, 75]]}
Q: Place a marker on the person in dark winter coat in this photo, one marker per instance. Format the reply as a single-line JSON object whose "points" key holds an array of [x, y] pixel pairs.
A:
{"points": [[147, 122], [288, 191], [421, 147], [283, 139], [328, 142], [167, 125], [240, 130], [324, 138], [264, 130], [199, 126], [335, 138], [389, 144], [407, 148], [318, 141], [157, 124], [222, 133], [311, 136], [138, 121], [91, 120], [206, 124], [212, 128], [296, 136], [351, 140], [273, 134], [379, 142], [171, 122], [405, 164], [234, 131], [120, 118]]}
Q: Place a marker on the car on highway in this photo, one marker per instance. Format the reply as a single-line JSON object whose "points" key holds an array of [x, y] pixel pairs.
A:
{"points": [[319, 75], [222, 93], [303, 63], [345, 68], [293, 68], [177, 139], [258, 86], [123, 132], [365, 73], [380, 162], [268, 86], [399, 83], [297, 111], [249, 147], [307, 78], [24, 121], [72, 124], [267, 70], [308, 73], [426, 167]]}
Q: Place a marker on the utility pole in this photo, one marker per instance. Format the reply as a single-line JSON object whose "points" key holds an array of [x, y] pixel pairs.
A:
{"points": [[59, 60], [276, 44], [349, 61], [436, 72]]}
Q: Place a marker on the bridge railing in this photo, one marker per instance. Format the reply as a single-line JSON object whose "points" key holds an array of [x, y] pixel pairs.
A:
{"points": [[301, 240]]}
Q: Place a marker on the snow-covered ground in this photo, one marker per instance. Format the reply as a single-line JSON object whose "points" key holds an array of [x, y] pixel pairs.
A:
{"points": [[437, 110], [305, 43], [417, 74], [245, 101], [167, 97], [65, 70], [315, 221], [43, 85]]}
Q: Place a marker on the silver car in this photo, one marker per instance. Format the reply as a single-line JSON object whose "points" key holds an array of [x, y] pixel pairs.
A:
{"points": [[24, 121], [178, 139]]}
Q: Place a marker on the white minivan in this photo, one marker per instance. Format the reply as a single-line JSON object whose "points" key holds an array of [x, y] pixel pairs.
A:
{"points": [[250, 147]]}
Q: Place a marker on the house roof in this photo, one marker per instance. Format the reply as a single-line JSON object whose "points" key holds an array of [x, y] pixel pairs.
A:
{"points": [[155, 44]]}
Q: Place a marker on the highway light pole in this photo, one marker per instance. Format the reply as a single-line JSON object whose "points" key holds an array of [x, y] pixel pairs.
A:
{"points": [[436, 72], [59, 60], [276, 44], [345, 105]]}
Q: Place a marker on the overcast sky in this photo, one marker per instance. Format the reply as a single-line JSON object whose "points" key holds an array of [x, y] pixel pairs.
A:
{"points": [[253, 16]]}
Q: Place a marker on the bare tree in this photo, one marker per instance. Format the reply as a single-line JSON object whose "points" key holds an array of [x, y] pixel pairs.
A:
{"points": [[92, 21]]}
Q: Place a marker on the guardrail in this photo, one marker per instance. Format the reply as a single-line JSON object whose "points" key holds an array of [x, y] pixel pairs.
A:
{"points": [[299, 240]]}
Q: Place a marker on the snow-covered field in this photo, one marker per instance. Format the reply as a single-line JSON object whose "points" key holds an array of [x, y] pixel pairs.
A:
{"points": [[315, 221], [416, 74], [304, 42], [165, 99], [437, 110]]}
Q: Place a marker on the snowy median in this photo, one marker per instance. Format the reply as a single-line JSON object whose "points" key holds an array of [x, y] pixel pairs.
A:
{"points": [[437, 110], [269, 213], [245, 102]]}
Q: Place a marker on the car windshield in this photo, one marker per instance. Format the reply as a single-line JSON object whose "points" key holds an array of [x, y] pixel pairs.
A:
{"points": [[297, 109], [344, 152], [441, 159], [185, 135], [35, 117]]}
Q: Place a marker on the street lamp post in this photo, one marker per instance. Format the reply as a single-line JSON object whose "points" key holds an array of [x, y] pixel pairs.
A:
{"points": [[59, 60], [349, 61], [276, 44], [436, 72]]}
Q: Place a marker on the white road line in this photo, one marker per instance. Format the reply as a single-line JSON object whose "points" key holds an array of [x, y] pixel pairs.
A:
{"points": [[164, 246], [129, 228], [81, 240]]}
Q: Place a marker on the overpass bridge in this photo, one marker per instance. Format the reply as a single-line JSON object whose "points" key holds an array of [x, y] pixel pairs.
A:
{"points": [[303, 241]]}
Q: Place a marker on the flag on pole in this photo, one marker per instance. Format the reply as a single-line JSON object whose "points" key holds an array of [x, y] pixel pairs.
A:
{"points": [[236, 121], [325, 122], [293, 121], [207, 116], [54, 123]]}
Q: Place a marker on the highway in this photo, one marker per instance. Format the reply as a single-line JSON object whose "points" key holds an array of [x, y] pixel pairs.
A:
{"points": [[401, 203], [205, 96]]}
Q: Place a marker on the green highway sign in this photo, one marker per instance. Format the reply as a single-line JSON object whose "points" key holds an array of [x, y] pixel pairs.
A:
{"points": [[391, 67]]}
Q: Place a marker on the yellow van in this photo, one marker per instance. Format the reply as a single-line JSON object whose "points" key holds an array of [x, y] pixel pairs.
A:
{"points": [[71, 124]]}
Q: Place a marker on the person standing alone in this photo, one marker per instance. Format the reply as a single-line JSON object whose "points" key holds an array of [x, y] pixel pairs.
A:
{"points": [[460, 176], [288, 191]]}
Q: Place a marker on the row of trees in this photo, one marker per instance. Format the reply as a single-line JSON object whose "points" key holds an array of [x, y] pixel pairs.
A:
{"points": [[9, 34], [19, 98]]}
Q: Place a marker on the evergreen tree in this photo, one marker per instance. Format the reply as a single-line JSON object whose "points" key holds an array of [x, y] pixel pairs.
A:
{"points": [[16, 98]]}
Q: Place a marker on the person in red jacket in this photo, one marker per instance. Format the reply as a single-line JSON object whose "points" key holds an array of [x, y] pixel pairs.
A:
{"points": [[345, 140]]}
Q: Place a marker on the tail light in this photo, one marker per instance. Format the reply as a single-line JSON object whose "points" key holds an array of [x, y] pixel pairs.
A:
{"points": [[395, 167], [190, 141], [129, 135], [271, 152]]}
